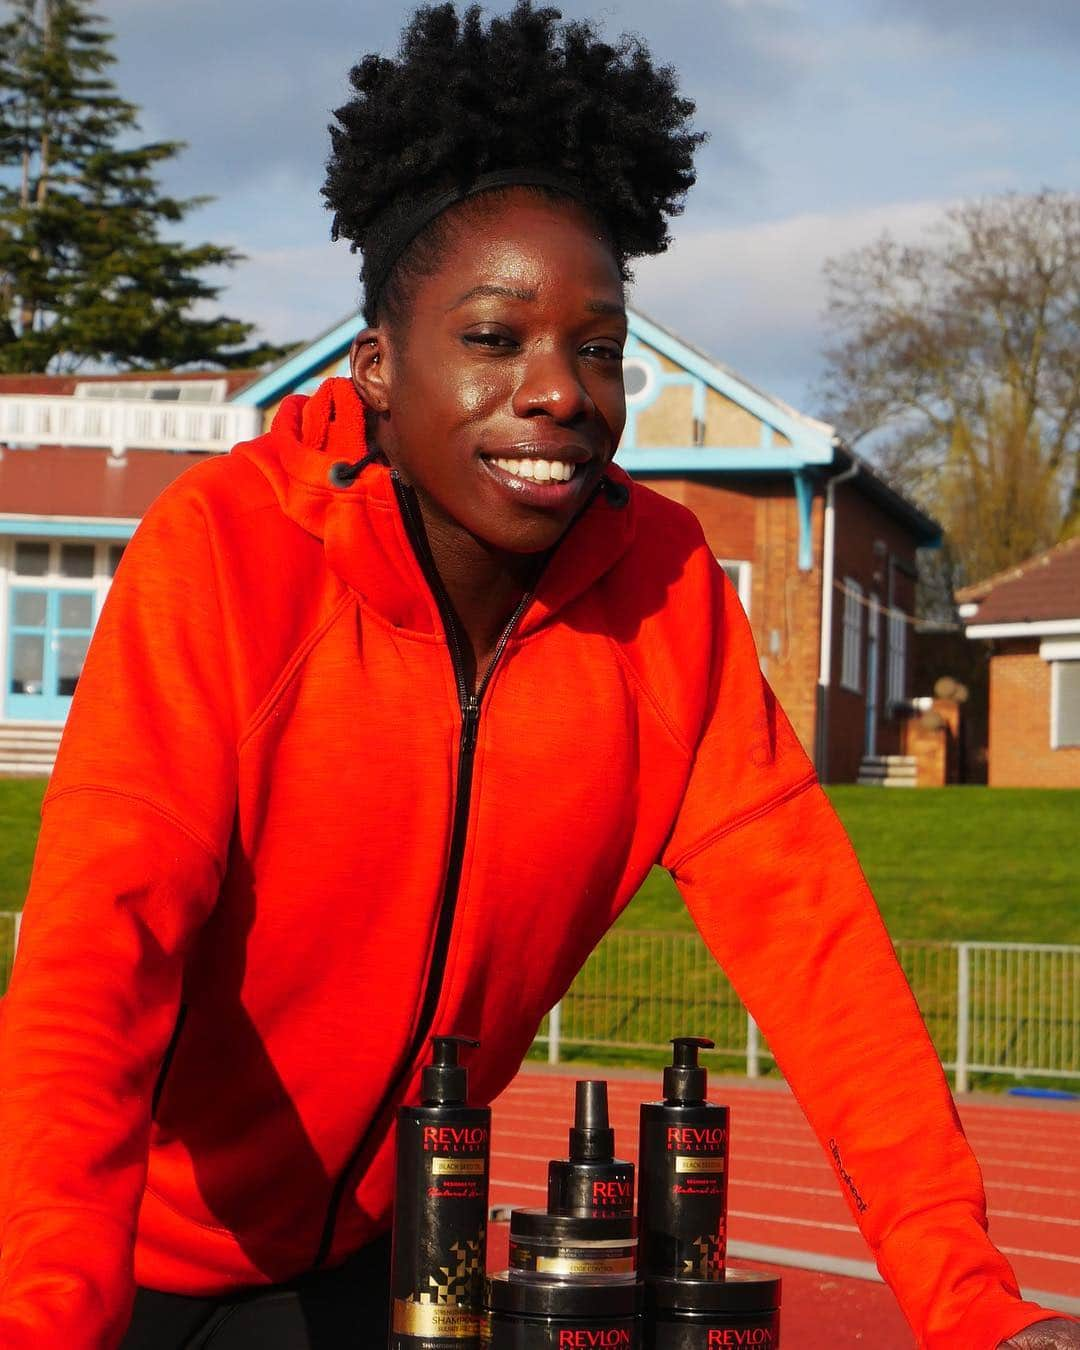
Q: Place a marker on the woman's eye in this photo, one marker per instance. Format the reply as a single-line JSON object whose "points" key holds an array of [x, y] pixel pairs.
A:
{"points": [[605, 351], [489, 339]]}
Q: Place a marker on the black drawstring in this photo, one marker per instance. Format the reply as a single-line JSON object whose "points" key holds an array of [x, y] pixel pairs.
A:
{"points": [[343, 474], [615, 494]]}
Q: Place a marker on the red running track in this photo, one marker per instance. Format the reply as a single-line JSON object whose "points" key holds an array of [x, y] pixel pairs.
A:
{"points": [[784, 1194]]}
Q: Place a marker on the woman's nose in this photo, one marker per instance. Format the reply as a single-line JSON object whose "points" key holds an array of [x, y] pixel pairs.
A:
{"points": [[551, 385]]}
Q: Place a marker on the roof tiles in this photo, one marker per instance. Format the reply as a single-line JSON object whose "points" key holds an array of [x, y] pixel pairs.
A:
{"points": [[1044, 587]]}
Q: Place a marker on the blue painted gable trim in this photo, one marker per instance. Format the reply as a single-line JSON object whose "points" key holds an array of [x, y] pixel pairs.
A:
{"points": [[808, 445], [812, 447], [295, 370], [682, 459], [86, 528], [804, 500]]}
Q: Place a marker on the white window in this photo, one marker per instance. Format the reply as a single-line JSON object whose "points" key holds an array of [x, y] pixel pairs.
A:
{"points": [[1064, 704], [168, 391], [851, 660], [896, 684], [738, 573], [639, 379]]}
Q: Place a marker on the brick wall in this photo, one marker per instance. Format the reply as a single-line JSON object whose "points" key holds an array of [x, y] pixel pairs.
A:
{"points": [[756, 520], [1020, 753]]}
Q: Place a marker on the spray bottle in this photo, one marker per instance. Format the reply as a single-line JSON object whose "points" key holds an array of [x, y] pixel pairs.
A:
{"points": [[592, 1183]]}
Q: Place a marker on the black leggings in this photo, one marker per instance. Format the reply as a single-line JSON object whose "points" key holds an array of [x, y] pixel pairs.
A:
{"points": [[326, 1310]]}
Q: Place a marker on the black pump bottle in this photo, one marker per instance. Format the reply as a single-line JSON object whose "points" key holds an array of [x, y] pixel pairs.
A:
{"points": [[592, 1183], [683, 1170], [440, 1211]]}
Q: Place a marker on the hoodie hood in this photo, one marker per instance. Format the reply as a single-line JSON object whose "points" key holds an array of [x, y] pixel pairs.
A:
{"points": [[359, 520]]}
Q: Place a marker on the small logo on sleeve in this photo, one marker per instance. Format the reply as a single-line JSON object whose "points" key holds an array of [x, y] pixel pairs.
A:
{"points": [[846, 1177]]}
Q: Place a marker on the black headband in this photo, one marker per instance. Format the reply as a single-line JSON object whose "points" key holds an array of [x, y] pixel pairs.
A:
{"points": [[402, 234]]}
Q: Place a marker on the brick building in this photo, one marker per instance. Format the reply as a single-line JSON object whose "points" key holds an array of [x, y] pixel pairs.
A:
{"points": [[821, 550], [1030, 616]]}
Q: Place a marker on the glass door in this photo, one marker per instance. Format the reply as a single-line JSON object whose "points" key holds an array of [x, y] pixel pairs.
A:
{"points": [[50, 632]]}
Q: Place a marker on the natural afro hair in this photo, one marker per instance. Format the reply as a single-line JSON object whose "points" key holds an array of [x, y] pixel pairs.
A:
{"points": [[526, 91]]}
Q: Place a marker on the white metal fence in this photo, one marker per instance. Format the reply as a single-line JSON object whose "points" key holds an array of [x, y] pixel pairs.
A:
{"points": [[35, 419], [990, 1007]]}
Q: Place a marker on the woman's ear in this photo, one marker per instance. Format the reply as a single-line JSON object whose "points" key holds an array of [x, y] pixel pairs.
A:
{"points": [[369, 367]]}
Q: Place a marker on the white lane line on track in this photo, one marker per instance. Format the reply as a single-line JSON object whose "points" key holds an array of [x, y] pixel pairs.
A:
{"points": [[1032, 1190], [1032, 1218], [796, 1223], [738, 1179], [1041, 1256], [850, 1228], [800, 1132], [786, 1188], [623, 1096], [993, 1120], [808, 1146], [833, 1192]]}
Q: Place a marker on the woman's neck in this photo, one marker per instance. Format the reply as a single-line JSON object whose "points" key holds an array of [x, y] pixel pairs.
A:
{"points": [[484, 585]]}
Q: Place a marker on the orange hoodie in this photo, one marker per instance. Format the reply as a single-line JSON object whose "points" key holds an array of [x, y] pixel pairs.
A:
{"points": [[282, 847]]}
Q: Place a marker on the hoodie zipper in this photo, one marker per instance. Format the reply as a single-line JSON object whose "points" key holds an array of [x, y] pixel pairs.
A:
{"points": [[469, 703]]}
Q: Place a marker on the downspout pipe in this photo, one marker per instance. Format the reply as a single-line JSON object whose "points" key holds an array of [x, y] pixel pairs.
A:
{"points": [[828, 575]]}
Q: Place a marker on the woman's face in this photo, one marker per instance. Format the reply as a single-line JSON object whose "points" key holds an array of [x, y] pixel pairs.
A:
{"points": [[502, 391]]}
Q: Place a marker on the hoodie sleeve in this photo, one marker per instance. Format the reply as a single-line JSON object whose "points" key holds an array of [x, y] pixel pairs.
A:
{"points": [[134, 827], [772, 882]]}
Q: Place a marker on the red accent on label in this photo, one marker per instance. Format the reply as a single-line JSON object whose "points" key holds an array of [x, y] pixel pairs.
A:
{"points": [[454, 1139], [731, 1336], [581, 1340], [606, 1191], [696, 1136]]}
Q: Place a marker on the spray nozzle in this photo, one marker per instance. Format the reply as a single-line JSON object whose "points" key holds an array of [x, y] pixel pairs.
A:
{"points": [[685, 1080], [592, 1139], [444, 1081]]}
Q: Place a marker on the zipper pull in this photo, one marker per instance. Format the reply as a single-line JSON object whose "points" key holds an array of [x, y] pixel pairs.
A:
{"points": [[470, 717]]}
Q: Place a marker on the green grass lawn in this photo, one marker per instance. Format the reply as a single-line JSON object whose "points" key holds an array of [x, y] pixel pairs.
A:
{"points": [[949, 864], [20, 802], [982, 864], [998, 864]]}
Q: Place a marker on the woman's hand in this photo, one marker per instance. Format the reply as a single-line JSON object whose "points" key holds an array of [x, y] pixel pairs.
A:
{"points": [[1054, 1335]]}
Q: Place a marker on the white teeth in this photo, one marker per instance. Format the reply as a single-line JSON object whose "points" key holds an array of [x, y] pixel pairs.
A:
{"points": [[541, 470]]}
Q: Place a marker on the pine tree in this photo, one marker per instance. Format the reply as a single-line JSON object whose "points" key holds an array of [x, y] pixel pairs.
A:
{"points": [[85, 273]]}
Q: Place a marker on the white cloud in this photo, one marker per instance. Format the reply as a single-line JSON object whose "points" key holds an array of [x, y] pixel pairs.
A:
{"points": [[293, 294], [754, 295]]}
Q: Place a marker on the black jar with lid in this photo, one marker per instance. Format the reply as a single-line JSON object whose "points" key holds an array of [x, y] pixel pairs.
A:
{"points": [[530, 1314], [742, 1309], [560, 1246]]}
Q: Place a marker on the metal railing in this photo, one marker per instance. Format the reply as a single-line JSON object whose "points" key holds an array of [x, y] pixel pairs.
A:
{"points": [[122, 424], [990, 1007]]}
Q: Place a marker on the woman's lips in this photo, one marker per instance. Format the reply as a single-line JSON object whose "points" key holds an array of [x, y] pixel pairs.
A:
{"points": [[536, 481]]}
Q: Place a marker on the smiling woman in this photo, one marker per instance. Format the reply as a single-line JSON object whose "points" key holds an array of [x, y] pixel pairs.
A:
{"points": [[417, 688]]}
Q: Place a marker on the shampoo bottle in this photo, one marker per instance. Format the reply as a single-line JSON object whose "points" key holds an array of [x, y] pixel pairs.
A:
{"points": [[440, 1211], [592, 1183], [683, 1177]]}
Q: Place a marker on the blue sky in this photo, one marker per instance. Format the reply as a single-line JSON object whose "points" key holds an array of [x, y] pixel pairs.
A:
{"points": [[830, 121]]}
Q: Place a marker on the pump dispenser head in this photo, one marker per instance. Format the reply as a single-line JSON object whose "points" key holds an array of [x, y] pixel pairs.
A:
{"points": [[592, 1139], [685, 1080], [444, 1081]]}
